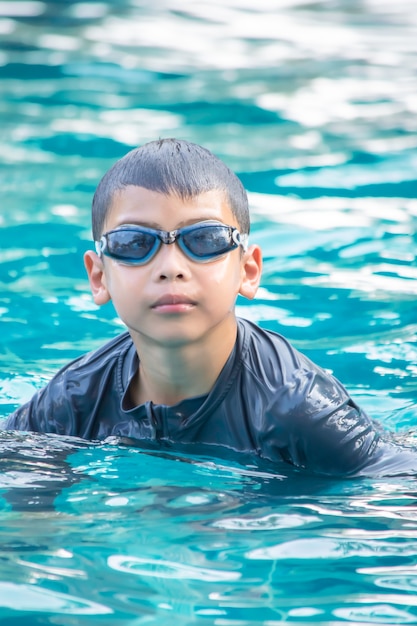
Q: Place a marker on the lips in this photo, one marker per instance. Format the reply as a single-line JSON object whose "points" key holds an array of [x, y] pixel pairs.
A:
{"points": [[173, 300]]}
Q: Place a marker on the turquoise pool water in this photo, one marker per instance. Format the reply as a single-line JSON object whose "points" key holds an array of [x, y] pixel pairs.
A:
{"points": [[313, 104]]}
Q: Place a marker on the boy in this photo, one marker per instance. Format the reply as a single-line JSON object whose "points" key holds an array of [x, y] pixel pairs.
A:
{"points": [[171, 222]]}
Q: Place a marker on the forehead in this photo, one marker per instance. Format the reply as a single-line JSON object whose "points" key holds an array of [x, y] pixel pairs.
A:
{"points": [[137, 205]]}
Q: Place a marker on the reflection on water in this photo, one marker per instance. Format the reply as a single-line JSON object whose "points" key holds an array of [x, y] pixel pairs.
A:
{"points": [[136, 533], [313, 105]]}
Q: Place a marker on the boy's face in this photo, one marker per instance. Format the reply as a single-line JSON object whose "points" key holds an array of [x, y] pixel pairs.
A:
{"points": [[172, 300]]}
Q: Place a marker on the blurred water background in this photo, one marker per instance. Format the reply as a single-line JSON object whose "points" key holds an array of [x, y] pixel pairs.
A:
{"points": [[313, 104]]}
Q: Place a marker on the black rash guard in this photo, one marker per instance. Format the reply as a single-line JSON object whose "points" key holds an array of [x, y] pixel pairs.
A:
{"points": [[269, 400]]}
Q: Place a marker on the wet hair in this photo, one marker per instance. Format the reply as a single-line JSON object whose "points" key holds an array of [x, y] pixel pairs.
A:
{"points": [[170, 166]]}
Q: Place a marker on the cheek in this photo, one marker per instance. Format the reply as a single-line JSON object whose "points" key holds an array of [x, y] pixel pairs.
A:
{"points": [[122, 281], [223, 276]]}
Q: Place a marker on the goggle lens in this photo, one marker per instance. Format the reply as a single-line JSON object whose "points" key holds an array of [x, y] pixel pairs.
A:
{"points": [[128, 244], [208, 241]]}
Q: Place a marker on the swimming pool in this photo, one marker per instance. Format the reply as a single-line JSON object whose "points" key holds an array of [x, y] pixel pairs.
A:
{"points": [[313, 105]]}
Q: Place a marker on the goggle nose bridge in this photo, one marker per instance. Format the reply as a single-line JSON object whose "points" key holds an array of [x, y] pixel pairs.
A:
{"points": [[168, 236]]}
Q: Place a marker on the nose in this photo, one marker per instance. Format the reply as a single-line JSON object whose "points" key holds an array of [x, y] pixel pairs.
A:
{"points": [[170, 263]]}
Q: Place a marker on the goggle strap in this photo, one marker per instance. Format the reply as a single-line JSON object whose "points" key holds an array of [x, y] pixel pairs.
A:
{"points": [[100, 246], [240, 240]]}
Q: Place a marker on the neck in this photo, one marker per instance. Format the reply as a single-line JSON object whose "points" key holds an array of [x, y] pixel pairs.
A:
{"points": [[169, 374]]}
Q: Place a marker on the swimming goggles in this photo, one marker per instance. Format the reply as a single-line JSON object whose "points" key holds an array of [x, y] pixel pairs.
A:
{"points": [[201, 242]]}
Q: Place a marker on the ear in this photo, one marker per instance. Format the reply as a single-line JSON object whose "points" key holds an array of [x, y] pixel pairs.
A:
{"points": [[95, 271], [251, 272]]}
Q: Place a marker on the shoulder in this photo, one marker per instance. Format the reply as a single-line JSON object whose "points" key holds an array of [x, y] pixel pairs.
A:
{"points": [[74, 389], [296, 392], [269, 354], [83, 374]]}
